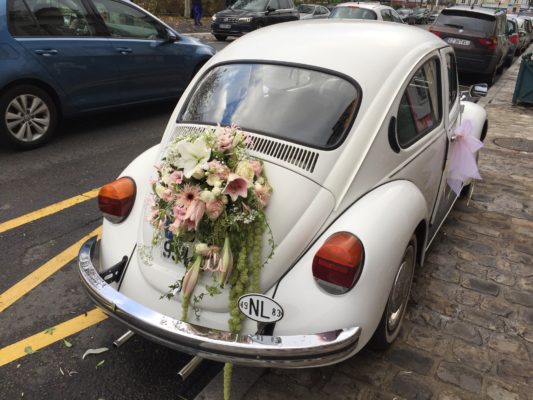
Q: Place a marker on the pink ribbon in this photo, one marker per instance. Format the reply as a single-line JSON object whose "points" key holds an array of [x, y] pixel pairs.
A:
{"points": [[463, 163]]}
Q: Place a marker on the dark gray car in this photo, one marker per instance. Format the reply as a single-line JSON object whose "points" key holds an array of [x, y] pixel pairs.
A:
{"points": [[478, 36]]}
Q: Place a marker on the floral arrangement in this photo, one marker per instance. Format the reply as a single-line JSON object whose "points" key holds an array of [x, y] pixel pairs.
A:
{"points": [[208, 199]]}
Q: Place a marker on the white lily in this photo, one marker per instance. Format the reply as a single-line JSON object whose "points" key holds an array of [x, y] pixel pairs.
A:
{"points": [[192, 155]]}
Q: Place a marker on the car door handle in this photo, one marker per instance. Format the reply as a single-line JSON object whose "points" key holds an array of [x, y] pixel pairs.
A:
{"points": [[124, 50], [46, 52]]}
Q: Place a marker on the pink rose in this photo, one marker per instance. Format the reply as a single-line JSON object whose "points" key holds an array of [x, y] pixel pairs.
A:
{"points": [[224, 142], [214, 209], [176, 177], [257, 167], [262, 193], [236, 186]]}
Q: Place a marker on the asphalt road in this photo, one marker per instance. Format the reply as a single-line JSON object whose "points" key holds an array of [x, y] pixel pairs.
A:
{"points": [[86, 153]]}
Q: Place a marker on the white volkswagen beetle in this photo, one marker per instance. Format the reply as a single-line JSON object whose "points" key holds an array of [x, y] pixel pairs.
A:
{"points": [[355, 125]]}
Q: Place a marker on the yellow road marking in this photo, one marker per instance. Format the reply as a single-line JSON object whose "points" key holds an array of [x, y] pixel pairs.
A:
{"points": [[51, 209], [26, 284], [38, 341]]}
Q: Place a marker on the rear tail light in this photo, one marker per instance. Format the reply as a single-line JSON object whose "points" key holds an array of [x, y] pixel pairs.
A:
{"points": [[338, 263], [431, 29], [490, 43], [116, 199], [514, 38]]}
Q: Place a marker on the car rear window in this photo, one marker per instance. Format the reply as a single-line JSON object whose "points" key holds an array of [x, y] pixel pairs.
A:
{"points": [[467, 21], [300, 105], [353, 13]]}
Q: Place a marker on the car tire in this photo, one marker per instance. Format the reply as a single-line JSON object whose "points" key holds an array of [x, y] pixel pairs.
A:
{"points": [[508, 61], [28, 117], [391, 320], [490, 78], [220, 38]]}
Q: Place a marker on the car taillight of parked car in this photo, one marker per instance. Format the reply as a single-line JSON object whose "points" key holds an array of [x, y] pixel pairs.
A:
{"points": [[432, 30], [514, 38], [490, 43], [116, 199], [337, 265]]}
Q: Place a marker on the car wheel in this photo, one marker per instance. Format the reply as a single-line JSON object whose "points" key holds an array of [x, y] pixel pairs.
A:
{"points": [[28, 116], [220, 38], [508, 61], [391, 320], [490, 78]]}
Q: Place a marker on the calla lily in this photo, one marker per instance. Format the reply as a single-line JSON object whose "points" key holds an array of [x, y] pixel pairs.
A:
{"points": [[225, 264], [191, 277]]}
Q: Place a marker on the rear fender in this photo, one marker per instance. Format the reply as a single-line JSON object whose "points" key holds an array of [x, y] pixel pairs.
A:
{"points": [[384, 220], [123, 236]]}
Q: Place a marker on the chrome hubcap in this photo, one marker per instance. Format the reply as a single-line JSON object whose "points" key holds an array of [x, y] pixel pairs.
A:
{"points": [[400, 291], [27, 117]]}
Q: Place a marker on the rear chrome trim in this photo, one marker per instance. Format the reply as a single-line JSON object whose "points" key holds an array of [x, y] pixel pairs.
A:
{"points": [[298, 351]]}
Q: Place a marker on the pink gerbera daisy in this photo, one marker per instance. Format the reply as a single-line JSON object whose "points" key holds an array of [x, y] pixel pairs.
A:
{"points": [[188, 194]]}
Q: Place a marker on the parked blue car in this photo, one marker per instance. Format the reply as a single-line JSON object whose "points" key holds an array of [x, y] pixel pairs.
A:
{"points": [[60, 58]]}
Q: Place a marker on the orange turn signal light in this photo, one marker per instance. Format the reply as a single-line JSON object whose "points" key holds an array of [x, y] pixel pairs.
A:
{"points": [[116, 199]]}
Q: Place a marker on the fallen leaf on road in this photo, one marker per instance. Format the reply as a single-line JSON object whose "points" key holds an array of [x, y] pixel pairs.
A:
{"points": [[94, 351], [50, 331], [28, 350], [61, 370], [67, 343], [100, 364]]}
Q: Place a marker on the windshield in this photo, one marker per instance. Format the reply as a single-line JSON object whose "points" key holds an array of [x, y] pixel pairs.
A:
{"points": [[352, 13], [250, 5], [467, 21], [292, 103], [404, 11], [305, 9]]}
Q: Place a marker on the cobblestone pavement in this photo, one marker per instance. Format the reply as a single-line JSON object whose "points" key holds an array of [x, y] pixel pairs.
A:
{"points": [[468, 332]]}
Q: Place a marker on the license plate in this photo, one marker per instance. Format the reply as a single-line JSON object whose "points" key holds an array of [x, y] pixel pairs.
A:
{"points": [[460, 42], [225, 26], [260, 308]]}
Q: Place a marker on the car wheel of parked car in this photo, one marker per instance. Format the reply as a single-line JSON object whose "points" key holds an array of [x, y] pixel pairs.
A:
{"points": [[220, 38], [391, 321], [28, 116], [490, 78]]}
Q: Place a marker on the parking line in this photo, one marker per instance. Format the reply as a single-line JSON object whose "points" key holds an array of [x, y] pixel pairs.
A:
{"points": [[42, 339], [51, 209], [25, 285]]}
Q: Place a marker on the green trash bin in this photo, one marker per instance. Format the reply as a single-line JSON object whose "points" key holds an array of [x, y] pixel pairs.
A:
{"points": [[523, 91]]}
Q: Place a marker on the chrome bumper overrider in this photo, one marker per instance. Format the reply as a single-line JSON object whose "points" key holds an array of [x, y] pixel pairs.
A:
{"points": [[296, 351]]}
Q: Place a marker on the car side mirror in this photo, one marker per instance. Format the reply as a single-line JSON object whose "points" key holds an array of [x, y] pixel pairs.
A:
{"points": [[171, 36], [269, 9], [478, 90], [522, 34]]}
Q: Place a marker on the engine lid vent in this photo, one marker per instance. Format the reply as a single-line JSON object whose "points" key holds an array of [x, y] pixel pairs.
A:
{"points": [[298, 156]]}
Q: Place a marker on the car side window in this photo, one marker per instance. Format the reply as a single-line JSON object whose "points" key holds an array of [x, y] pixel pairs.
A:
{"points": [[123, 21], [274, 4], [452, 79], [284, 4], [27, 18], [419, 110], [386, 15], [396, 17]]}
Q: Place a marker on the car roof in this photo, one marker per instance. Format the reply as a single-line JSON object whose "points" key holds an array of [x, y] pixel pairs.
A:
{"points": [[370, 52], [477, 9], [362, 4]]}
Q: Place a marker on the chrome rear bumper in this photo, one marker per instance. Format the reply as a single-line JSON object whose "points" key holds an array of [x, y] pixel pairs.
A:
{"points": [[298, 351]]}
